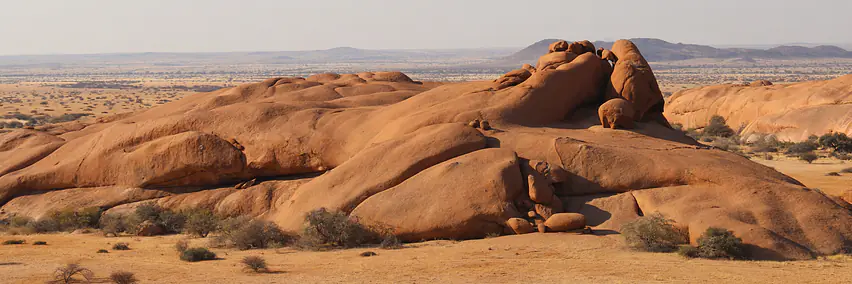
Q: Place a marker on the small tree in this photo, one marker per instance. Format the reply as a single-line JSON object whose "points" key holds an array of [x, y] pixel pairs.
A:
{"points": [[809, 157], [200, 222], [718, 127], [67, 273]]}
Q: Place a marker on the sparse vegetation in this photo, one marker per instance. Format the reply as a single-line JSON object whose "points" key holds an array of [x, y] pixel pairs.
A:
{"points": [[67, 273], [653, 233], [846, 170], [833, 174], [718, 127], [181, 246], [197, 254], [257, 234], [716, 243], [14, 242], [113, 224], [255, 263], [39, 243], [123, 277], [200, 222], [120, 246], [102, 251], [837, 141], [325, 229], [801, 148]]}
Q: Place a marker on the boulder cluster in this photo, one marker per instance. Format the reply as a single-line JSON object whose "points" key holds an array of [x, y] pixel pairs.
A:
{"points": [[534, 150]]}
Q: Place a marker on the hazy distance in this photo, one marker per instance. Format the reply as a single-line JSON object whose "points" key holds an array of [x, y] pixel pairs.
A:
{"points": [[93, 26]]}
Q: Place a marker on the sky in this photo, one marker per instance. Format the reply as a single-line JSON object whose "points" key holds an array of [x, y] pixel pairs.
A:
{"points": [[110, 26]]}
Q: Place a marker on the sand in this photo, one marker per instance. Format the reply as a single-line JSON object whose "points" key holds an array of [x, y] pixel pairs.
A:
{"points": [[531, 258]]}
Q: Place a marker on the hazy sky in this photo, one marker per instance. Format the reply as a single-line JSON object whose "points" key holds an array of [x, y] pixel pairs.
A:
{"points": [[91, 26]]}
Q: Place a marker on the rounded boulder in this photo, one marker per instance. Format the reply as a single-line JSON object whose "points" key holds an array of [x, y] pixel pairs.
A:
{"points": [[562, 222]]}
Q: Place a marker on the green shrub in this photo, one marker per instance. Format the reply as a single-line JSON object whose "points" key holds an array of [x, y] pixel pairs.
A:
{"points": [[123, 277], [326, 229], [653, 233], [809, 157], [255, 263], [120, 246], [67, 273], [200, 222], [197, 254], [720, 243], [39, 243], [837, 141], [14, 242], [718, 127]]}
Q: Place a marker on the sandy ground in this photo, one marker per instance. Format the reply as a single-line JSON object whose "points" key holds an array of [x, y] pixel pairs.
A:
{"points": [[814, 175], [532, 258]]}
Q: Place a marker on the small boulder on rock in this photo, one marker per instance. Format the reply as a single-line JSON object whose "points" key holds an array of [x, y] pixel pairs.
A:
{"points": [[563, 222], [616, 113], [520, 226]]}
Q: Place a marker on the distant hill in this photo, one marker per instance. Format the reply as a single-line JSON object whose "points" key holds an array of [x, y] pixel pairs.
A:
{"points": [[660, 50], [334, 55]]}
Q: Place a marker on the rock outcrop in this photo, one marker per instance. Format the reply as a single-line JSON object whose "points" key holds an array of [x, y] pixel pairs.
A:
{"points": [[427, 160], [791, 112]]}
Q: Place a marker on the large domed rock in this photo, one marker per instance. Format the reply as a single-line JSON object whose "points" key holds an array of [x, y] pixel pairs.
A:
{"points": [[790, 112], [392, 151]]}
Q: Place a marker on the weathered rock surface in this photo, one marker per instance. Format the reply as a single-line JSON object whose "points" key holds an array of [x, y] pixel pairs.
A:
{"points": [[790, 112], [393, 151], [466, 197], [520, 226]]}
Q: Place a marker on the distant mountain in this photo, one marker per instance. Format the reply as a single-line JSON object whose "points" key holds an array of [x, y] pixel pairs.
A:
{"points": [[660, 50], [334, 55]]}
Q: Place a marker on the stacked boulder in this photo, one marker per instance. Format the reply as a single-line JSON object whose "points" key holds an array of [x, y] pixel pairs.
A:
{"points": [[545, 211]]}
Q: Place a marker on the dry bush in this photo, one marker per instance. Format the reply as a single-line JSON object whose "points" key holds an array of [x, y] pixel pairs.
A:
{"points": [[39, 243], [326, 229], [833, 174], [120, 246], [113, 224], [718, 127], [716, 243], [123, 277], [171, 222], [846, 170], [181, 246], [653, 233], [255, 263], [258, 234], [69, 219], [103, 251], [67, 273], [200, 222], [197, 254]]}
